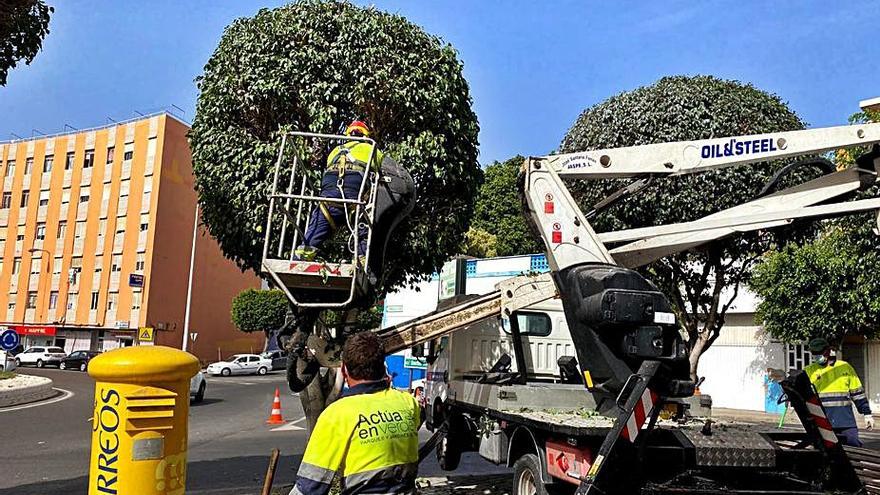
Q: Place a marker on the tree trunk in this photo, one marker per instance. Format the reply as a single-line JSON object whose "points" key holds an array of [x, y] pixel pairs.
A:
{"points": [[699, 346], [319, 394]]}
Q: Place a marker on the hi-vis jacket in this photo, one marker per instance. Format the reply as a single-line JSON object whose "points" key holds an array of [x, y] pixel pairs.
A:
{"points": [[371, 436], [353, 157], [837, 384]]}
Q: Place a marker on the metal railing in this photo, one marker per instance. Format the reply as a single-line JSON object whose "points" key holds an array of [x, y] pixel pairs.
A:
{"points": [[98, 128], [297, 221]]}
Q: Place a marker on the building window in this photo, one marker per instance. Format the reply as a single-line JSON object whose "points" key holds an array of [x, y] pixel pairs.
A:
{"points": [[35, 266], [128, 155], [31, 300], [62, 229], [56, 266], [28, 165], [111, 300], [71, 300], [16, 266], [7, 200], [41, 231], [53, 299], [10, 168], [99, 263], [797, 357], [120, 236], [68, 163], [124, 187], [116, 263], [25, 195], [48, 161], [135, 301], [94, 305], [76, 263], [144, 226], [140, 263], [89, 159], [65, 196], [44, 198], [84, 197], [11, 305], [111, 152], [80, 230]]}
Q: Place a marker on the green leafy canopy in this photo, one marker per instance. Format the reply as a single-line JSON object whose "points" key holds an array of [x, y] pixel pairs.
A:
{"points": [[316, 65], [23, 26], [259, 310], [676, 109]]}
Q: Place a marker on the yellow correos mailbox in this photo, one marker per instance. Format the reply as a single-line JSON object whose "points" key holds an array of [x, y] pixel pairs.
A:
{"points": [[139, 427]]}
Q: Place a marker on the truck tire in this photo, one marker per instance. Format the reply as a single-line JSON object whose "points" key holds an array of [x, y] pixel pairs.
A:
{"points": [[527, 476], [449, 450]]}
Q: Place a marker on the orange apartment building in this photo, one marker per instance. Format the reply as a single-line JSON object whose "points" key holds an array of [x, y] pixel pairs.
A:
{"points": [[96, 231]]}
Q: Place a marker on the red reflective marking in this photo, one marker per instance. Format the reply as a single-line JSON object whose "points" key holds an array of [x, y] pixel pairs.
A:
{"points": [[548, 207], [557, 237], [625, 432], [640, 415]]}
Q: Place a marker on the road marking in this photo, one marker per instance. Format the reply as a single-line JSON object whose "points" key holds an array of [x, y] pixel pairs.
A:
{"points": [[65, 394], [291, 426]]}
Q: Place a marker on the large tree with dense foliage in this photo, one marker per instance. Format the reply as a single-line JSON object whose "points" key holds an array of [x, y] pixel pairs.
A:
{"points": [[259, 310], [703, 283], [315, 66], [23, 26], [829, 287], [499, 211]]}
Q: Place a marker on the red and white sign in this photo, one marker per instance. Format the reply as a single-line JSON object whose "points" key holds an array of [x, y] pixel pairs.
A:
{"points": [[822, 423], [35, 330], [640, 414]]}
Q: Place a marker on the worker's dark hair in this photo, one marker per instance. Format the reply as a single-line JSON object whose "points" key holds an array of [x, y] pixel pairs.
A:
{"points": [[364, 356]]}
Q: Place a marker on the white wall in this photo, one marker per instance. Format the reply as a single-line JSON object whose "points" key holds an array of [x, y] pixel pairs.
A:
{"points": [[736, 365]]}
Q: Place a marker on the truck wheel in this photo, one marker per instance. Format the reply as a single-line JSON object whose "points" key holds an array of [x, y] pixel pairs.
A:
{"points": [[527, 476], [449, 451]]}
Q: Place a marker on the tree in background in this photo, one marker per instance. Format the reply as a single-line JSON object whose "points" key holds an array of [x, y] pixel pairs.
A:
{"points": [[702, 283], [826, 288], [498, 213], [259, 310], [315, 66], [829, 287], [23, 26]]}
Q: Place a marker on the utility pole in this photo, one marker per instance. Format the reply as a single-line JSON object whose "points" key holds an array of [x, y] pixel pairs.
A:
{"points": [[192, 262]]}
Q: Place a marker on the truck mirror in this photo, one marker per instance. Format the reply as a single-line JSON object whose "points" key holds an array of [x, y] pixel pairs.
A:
{"points": [[418, 351]]}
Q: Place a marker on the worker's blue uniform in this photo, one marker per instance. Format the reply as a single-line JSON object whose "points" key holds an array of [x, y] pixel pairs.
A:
{"points": [[839, 386], [369, 437], [351, 160]]}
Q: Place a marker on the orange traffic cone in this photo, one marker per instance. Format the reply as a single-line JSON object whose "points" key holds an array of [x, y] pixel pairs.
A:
{"points": [[275, 417]]}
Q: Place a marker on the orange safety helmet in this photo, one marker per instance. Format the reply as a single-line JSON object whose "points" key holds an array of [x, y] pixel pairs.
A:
{"points": [[357, 127]]}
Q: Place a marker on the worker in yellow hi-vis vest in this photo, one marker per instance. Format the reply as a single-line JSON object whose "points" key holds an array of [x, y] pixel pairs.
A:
{"points": [[346, 166], [839, 388], [369, 435]]}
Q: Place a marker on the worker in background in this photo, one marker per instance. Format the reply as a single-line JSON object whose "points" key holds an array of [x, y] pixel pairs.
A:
{"points": [[838, 386], [346, 166], [370, 433]]}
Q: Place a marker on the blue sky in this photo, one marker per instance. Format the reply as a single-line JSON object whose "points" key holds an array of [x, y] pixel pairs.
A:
{"points": [[533, 66]]}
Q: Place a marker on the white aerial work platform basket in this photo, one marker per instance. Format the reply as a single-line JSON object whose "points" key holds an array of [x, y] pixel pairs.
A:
{"points": [[322, 283]]}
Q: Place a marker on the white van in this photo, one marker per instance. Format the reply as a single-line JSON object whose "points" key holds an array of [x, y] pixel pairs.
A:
{"points": [[471, 353]]}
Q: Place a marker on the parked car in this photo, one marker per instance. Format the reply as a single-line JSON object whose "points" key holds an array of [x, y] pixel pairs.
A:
{"points": [[241, 364], [278, 357], [7, 361], [197, 386], [78, 360], [40, 356]]}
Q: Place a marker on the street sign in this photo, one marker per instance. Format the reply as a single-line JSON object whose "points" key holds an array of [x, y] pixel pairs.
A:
{"points": [[135, 280], [9, 339], [414, 362], [145, 334]]}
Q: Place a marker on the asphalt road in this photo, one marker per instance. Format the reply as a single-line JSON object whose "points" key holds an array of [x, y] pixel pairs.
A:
{"points": [[45, 449]]}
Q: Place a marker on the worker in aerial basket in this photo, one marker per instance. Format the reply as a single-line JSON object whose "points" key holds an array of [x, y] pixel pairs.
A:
{"points": [[346, 166], [369, 435], [838, 385]]}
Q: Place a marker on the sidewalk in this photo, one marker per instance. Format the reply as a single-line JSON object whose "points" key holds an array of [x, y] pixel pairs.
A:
{"points": [[753, 417]]}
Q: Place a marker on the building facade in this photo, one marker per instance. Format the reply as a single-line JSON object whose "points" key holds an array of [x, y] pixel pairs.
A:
{"points": [[96, 231]]}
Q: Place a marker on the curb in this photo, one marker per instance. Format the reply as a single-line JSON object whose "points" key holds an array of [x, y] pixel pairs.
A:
{"points": [[28, 393]]}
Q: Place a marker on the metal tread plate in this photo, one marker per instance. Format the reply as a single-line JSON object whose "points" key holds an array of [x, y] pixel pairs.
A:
{"points": [[731, 448]]}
